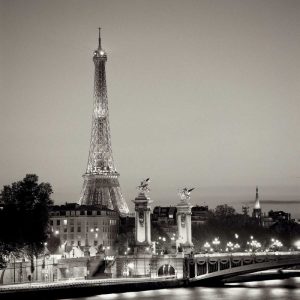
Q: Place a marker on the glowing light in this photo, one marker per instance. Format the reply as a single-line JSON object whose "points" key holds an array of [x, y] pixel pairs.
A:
{"points": [[297, 244], [56, 232], [206, 245], [131, 265]]}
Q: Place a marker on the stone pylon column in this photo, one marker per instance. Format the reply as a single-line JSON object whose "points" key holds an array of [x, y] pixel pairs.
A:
{"points": [[142, 223], [184, 223]]}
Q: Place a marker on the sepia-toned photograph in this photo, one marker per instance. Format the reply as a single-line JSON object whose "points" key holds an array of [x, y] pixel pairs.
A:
{"points": [[150, 149]]}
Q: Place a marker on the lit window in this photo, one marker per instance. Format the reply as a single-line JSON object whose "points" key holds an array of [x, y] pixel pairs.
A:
{"points": [[65, 222]]}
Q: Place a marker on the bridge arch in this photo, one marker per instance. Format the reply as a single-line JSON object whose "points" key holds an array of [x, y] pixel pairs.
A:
{"points": [[166, 270], [219, 267]]}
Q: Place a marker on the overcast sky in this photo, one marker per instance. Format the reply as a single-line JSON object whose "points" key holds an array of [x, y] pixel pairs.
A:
{"points": [[201, 94]]}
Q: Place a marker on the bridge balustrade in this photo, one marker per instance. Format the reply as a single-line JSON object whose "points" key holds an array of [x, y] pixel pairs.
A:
{"points": [[224, 264], [201, 267], [236, 263], [213, 266]]}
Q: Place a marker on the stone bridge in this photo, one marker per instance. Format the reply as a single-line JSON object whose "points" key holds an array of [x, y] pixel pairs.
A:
{"points": [[216, 267]]}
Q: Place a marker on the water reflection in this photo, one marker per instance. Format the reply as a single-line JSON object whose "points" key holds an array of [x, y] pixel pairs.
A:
{"points": [[288, 289]]}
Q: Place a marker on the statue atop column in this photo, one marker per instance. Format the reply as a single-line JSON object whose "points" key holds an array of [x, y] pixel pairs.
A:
{"points": [[144, 186], [185, 195]]}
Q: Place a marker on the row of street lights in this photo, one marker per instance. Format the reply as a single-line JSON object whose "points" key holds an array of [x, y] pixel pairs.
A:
{"points": [[252, 245]]}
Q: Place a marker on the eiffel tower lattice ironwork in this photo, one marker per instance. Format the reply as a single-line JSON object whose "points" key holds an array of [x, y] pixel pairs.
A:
{"points": [[101, 184]]}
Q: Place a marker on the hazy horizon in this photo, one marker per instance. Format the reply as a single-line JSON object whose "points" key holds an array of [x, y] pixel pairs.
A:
{"points": [[201, 94]]}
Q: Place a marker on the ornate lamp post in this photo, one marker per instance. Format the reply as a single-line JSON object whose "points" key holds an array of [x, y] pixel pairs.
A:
{"points": [[216, 242]]}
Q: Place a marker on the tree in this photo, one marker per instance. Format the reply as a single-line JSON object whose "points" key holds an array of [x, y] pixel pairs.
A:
{"points": [[25, 215], [53, 243], [224, 210]]}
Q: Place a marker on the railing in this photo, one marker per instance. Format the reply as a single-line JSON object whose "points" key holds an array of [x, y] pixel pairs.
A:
{"points": [[229, 254]]}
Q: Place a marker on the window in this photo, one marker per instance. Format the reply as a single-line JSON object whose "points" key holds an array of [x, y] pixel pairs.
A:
{"points": [[95, 243], [82, 212], [71, 221], [65, 229], [79, 243], [72, 229], [78, 229], [112, 222], [51, 222], [57, 222], [65, 221]]}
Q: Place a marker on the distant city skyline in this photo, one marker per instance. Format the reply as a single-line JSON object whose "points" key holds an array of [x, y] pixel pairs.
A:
{"points": [[202, 94]]}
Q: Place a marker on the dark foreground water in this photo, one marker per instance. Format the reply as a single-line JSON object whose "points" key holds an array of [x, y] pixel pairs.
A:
{"points": [[286, 289]]}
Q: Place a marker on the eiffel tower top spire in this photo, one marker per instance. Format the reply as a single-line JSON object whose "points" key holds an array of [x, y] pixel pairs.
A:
{"points": [[99, 39], [100, 53]]}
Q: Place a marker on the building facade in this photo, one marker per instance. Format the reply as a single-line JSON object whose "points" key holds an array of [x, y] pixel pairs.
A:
{"points": [[84, 226]]}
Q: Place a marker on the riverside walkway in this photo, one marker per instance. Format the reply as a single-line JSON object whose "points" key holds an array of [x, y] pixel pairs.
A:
{"points": [[83, 288]]}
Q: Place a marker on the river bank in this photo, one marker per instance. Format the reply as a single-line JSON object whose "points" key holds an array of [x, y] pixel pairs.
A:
{"points": [[86, 288], [89, 288]]}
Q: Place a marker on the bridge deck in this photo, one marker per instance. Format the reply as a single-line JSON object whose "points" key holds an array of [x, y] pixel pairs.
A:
{"points": [[218, 266]]}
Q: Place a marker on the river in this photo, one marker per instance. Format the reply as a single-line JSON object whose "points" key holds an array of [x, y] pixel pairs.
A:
{"points": [[285, 289]]}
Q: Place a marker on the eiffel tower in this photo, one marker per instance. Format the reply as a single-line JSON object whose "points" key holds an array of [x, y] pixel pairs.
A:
{"points": [[101, 181]]}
